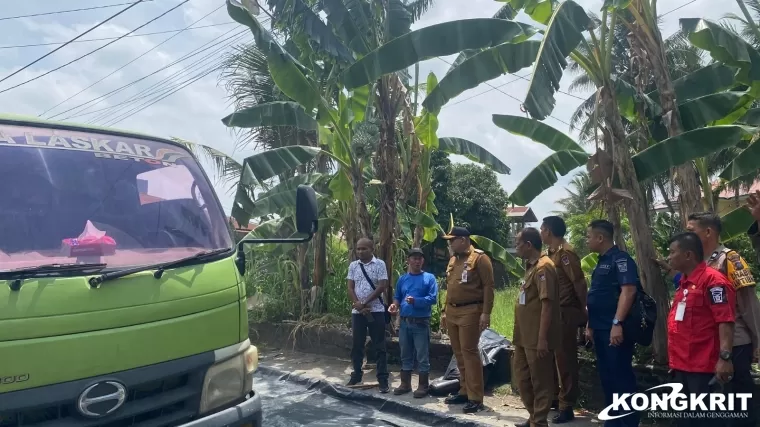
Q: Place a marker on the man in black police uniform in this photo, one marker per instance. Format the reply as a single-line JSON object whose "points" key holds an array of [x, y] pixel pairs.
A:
{"points": [[614, 284]]}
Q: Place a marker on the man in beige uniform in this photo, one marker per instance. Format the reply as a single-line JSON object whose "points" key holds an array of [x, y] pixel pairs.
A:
{"points": [[467, 313], [572, 301], [537, 329]]}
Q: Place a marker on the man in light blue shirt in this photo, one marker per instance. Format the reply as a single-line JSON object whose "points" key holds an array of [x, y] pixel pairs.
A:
{"points": [[416, 292]]}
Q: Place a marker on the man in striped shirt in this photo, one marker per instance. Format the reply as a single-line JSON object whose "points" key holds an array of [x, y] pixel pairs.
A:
{"points": [[367, 282]]}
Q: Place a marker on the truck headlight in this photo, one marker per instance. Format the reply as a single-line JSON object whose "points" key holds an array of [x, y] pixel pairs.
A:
{"points": [[229, 380]]}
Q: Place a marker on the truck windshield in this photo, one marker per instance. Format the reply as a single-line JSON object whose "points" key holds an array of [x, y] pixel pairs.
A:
{"points": [[85, 197]]}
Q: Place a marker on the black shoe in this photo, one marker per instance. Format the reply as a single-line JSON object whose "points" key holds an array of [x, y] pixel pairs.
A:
{"points": [[473, 407], [383, 386], [564, 416], [524, 424], [455, 399], [354, 381], [555, 405]]}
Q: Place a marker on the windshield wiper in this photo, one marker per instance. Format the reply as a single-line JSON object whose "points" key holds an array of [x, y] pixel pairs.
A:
{"points": [[20, 274], [160, 268]]}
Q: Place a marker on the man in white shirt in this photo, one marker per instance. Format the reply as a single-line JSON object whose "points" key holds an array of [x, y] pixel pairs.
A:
{"points": [[367, 282]]}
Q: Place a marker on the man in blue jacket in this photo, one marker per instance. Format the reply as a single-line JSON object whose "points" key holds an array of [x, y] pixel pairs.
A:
{"points": [[416, 292]]}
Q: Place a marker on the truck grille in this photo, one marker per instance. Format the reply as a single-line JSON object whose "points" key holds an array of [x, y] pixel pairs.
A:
{"points": [[164, 402]]}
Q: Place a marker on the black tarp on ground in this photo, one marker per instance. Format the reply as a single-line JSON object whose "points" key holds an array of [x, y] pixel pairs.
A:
{"points": [[496, 368], [292, 400]]}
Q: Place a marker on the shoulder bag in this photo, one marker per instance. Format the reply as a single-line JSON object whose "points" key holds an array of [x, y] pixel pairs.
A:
{"points": [[372, 285]]}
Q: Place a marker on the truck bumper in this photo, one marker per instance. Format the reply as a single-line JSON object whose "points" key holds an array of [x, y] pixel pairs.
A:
{"points": [[246, 414]]}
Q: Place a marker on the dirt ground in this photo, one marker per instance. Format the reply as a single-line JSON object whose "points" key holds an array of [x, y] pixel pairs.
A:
{"points": [[502, 410]]}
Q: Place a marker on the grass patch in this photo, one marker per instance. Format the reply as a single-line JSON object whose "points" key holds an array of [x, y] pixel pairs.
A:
{"points": [[503, 390], [503, 313]]}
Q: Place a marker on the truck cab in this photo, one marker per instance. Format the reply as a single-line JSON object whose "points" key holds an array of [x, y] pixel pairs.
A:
{"points": [[122, 299]]}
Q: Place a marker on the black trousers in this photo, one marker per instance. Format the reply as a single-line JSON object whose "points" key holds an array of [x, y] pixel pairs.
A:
{"points": [[743, 383], [694, 382], [360, 327]]}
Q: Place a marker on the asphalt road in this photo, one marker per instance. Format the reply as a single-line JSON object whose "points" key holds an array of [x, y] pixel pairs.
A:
{"points": [[289, 405]]}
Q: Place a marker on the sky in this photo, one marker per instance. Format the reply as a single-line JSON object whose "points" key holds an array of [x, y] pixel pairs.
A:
{"points": [[155, 65]]}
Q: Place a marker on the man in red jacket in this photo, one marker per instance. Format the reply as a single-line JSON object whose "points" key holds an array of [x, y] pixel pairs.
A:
{"points": [[700, 322]]}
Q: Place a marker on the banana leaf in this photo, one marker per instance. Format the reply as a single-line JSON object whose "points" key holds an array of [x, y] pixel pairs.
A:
{"points": [[472, 151], [480, 68], [442, 39], [279, 113], [563, 34]]}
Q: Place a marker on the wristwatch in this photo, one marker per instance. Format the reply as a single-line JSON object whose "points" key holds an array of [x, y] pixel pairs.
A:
{"points": [[615, 322], [725, 355]]}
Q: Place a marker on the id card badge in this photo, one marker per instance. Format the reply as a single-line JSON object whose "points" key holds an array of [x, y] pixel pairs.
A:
{"points": [[521, 298], [681, 307], [464, 273]]}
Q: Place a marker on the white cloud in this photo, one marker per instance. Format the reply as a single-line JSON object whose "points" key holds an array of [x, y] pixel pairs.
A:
{"points": [[195, 112]]}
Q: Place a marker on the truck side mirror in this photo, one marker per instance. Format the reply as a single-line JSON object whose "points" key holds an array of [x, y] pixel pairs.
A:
{"points": [[306, 210], [307, 214]]}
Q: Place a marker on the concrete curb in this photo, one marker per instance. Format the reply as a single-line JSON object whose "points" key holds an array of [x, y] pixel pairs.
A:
{"points": [[378, 402]]}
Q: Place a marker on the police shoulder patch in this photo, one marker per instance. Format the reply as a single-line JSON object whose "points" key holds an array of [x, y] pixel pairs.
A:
{"points": [[542, 276], [736, 260], [565, 260], [622, 265], [718, 295]]}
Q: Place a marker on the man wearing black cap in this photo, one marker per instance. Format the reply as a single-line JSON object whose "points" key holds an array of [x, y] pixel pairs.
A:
{"points": [[467, 313], [416, 292]]}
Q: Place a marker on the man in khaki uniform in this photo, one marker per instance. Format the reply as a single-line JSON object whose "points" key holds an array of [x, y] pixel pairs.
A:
{"points": [[572, 300], [537, 329], [466, 313]]}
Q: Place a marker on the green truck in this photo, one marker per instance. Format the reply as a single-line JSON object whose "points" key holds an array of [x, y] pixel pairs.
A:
{"points": [[122, 300]]}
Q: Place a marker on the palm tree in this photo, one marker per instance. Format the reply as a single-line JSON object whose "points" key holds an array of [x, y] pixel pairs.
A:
{"points": [[683, 58], [577, 201], [749, 29]]}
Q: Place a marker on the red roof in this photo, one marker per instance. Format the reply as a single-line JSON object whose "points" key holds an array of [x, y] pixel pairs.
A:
{"points": [[730, 193], [524, 213], [726, 193]]}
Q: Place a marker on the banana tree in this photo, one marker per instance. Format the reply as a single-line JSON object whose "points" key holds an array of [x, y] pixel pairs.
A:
{"points": [[731, 50], [426, 139], [380, 67], [648, 47], [564, 33]]}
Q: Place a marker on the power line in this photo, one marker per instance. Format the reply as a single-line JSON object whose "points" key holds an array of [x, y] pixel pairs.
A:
{"points": [[483, 93], [130, 62], [114, 38], [162, 84], [68, 42], [679, 7], [66, 11], [167, 84], [505, 93], [143, 107], [211, 64], [164, 92], [92, 51], [117, 90]]}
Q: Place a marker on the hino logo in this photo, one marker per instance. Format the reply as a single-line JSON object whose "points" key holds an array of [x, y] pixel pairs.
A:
{"points": [[101, 399]]}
